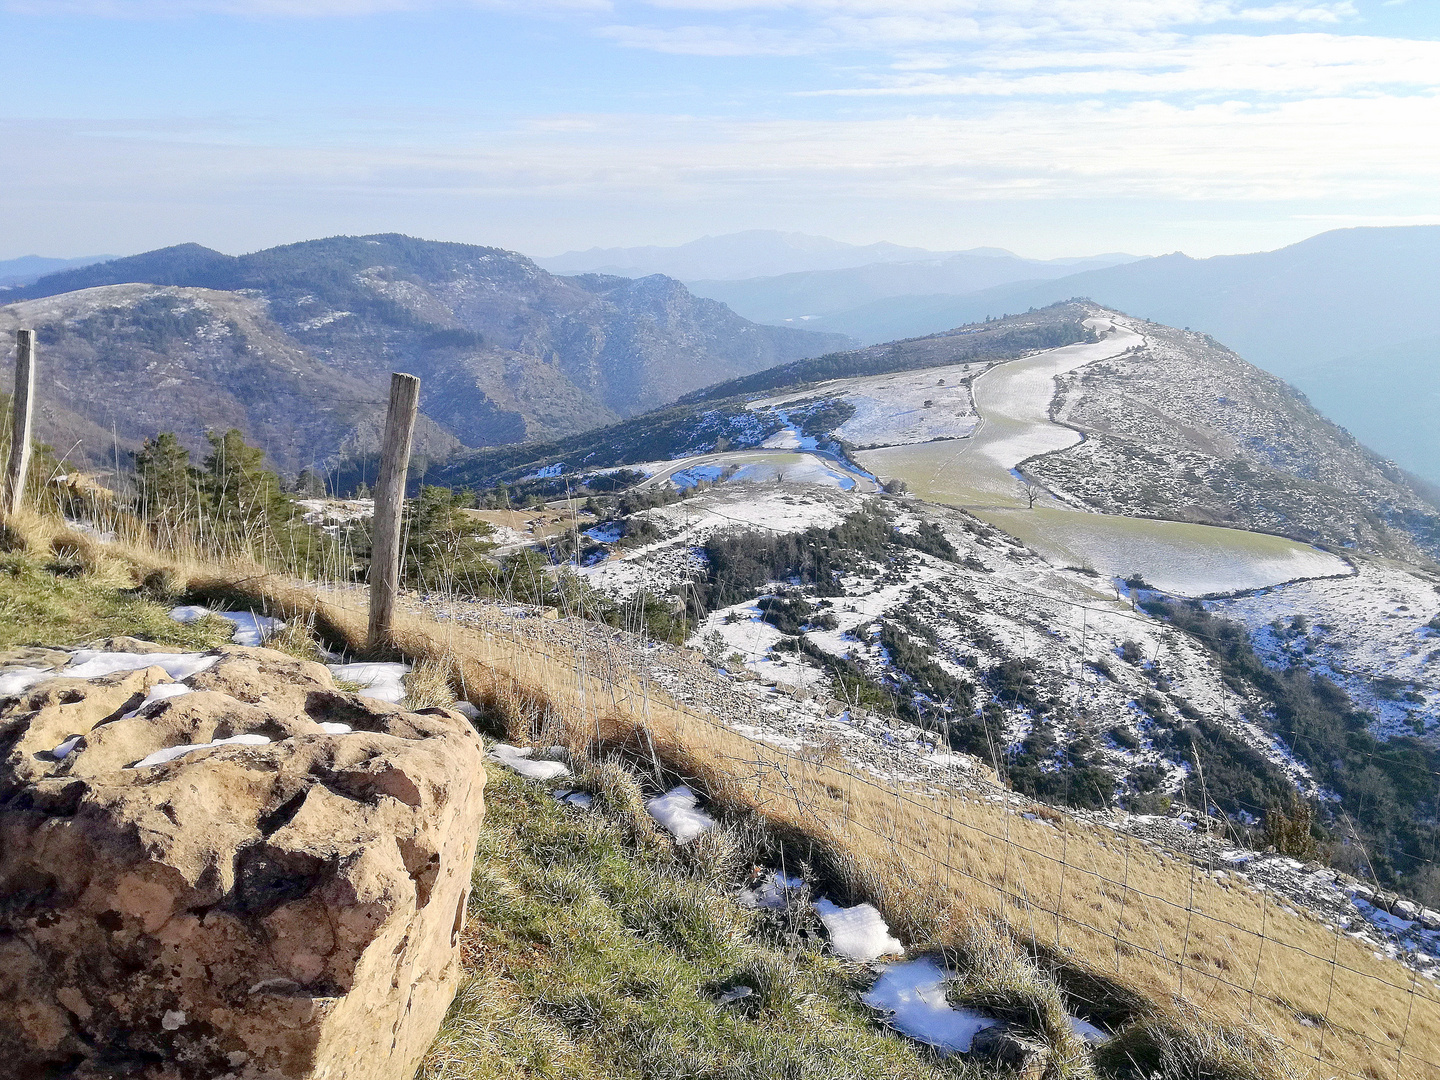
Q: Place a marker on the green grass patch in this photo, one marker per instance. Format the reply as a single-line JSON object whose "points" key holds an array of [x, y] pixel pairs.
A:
{"points": [[51, 602], [590, 952]]}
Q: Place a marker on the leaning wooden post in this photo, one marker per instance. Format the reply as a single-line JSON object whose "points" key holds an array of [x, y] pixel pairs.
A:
{"points": [[23, 405], [389, 506]]}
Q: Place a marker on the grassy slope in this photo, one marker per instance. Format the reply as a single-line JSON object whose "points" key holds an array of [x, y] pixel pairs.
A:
{"points": [[931, 866], [589, 954], [45, 602]]}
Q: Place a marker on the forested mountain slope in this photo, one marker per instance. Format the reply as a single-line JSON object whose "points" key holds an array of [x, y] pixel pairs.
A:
{"points": [[506, 350]]}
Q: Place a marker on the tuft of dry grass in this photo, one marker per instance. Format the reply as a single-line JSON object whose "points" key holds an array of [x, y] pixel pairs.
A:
{"points": [[430, 684], [1181, 1043]]}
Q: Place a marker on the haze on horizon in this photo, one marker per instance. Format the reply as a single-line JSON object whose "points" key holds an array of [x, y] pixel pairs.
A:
{"points": [[1058, 128]]}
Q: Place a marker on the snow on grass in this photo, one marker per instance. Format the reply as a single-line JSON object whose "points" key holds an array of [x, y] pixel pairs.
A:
{"points": [[679, 813], [1369, 633], [384, 682], [517, 759], [696, 474], [657, 566], [172, 752], [250, 629], [608, 533], [1180, 558], [914, 994], [857, 933], [891, 410], [793, 469], [773, 892]]}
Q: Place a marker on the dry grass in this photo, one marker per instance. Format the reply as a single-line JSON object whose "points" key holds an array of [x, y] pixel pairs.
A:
{"points": [[1215, 964]]}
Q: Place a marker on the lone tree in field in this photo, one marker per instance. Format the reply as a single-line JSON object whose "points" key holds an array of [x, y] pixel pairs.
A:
{"points": [[1030, 491]]}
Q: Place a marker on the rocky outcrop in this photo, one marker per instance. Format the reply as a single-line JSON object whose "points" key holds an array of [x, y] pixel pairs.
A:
{"points": [[283, 900]]}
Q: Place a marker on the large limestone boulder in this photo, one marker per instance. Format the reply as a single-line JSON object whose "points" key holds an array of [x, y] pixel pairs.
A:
{"points": [[285, 904]]}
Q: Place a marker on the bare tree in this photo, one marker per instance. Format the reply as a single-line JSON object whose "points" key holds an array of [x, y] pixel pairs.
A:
{"points": [[1030, 491]]}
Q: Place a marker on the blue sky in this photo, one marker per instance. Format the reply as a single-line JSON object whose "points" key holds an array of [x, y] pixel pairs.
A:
{"points": [[1051, 127]]}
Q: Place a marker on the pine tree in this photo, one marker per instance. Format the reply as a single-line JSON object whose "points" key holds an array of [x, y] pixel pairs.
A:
{"points": [[168, 487], [244, 495]]}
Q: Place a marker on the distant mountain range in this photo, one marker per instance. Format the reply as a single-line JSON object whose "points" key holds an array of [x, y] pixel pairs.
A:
{"points": [[294, 345], [30, 268], [807, 298], [767, 253], [1351, 317]]}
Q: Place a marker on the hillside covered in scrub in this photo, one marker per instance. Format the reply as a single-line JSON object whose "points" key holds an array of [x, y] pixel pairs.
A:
{"points": [[779, 913], [293, 346]]}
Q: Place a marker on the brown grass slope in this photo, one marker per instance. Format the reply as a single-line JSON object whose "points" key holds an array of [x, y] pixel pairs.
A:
{"points": [[1189, 963]]}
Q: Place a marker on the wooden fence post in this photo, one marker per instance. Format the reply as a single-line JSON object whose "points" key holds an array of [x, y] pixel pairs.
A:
{"points": [[389, 506], [23, 405]]}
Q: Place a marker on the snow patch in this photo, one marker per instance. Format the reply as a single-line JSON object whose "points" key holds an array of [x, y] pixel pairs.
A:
{"points": [[858, 933], [678, 811], [159, 693], [93, 663], [172, 752], [914, 994], [384, 682], [517, 759]]}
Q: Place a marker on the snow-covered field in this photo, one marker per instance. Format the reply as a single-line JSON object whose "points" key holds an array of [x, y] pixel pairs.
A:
{"points": [[1369, 633], [892, 410]]}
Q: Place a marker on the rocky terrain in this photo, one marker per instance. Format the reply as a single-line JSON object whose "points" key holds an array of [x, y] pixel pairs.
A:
{"points": [[506, 351], [221, 865]]}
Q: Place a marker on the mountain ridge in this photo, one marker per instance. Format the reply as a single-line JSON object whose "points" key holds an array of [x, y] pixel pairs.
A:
{"points": [[506, 350]]}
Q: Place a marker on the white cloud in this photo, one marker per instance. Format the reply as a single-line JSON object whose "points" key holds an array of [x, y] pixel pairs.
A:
{"points": [[1275, 64], [1339, 149], [162, 9]]}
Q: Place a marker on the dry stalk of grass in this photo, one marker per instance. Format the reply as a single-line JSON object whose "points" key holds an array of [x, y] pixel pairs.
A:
{"points": [[430, 683], [932, 861]]}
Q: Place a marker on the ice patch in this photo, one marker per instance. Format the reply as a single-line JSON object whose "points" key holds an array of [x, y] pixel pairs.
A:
{"points": [[583, 799], [61, 752], [677, 810], [734, 995], [914, 995], [858, 933], [384, 682], [170, 753], [518, 759], [773, 892], [18, 680], [331, 727], [93, 663], [159, 693]]}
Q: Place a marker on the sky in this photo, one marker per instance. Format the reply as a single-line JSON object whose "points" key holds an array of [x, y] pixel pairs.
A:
{"points": [[1049, 127]]}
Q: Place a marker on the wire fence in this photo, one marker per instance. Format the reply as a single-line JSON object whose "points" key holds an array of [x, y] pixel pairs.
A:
{"points": [[1174, 925]]}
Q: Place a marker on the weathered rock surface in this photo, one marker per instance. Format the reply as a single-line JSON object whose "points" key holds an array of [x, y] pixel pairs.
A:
{"points": [[243, 911]]}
